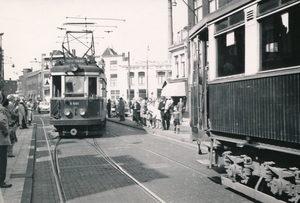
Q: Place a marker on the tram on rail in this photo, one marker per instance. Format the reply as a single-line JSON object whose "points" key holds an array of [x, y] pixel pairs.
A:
{"points": [[78, 91], [245, 96]]}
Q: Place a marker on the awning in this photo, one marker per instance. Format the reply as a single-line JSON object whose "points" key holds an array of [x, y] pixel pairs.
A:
{"points": [[174, 89]]}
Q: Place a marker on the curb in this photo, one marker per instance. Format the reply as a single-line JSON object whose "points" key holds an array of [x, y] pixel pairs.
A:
{"points": [[28, 184]]}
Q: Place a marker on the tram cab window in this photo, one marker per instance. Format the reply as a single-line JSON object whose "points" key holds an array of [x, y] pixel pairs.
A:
{"points": [[280, 37], [56, 86], [74, 86], [92, 86]]}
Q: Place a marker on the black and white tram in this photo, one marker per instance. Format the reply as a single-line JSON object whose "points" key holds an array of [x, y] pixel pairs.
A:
{"points": [[245, 95], [78, 92]]}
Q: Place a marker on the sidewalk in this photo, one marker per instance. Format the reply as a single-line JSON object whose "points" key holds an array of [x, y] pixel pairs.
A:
{"points": [[20, 168], [183, 136]]}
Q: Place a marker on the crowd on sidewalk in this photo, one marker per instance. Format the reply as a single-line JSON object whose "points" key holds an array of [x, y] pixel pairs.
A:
{"points": [[153, 113], [14, 113]]}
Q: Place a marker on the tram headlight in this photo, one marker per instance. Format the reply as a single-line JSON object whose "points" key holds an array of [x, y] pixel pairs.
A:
{"points": [[82, 112], [67, 112]]}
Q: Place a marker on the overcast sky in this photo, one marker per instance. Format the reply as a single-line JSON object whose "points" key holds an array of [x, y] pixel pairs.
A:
{"points": [[30, 28]]}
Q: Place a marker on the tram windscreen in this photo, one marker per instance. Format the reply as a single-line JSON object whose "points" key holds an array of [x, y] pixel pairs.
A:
{"points": [[74, 86]]}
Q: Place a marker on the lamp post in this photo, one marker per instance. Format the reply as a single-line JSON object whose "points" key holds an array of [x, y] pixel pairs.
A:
{"points": [[147, 73]]}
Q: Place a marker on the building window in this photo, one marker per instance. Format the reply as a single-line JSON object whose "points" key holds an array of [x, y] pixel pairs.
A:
{"points": [[177, 66], [113, 80], [115, 94], [141, 78], [198, 10], [161, 77], [182, 59], [280, 39], [212, 6], [131, 78], [113, 64], [142, 93], [231, 52], [158, 93]]}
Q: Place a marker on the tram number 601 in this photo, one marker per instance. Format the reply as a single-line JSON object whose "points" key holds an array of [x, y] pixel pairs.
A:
{"points": [[74, 103]]}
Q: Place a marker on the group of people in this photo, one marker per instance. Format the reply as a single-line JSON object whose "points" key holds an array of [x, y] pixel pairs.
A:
{"points": [[119, 108], [158, 113], [14, 113]]}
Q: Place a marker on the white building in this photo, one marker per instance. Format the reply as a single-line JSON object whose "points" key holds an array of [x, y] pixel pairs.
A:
{"points": [[142, 79]]}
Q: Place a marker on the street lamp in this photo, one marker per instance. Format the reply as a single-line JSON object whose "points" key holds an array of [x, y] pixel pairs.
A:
{"points": [[147, 73]]}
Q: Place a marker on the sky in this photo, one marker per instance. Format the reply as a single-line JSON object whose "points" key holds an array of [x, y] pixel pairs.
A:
{"points": [[30, 28]]}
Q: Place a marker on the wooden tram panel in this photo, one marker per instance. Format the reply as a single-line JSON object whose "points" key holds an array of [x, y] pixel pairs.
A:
{"points": [[265, 108]]}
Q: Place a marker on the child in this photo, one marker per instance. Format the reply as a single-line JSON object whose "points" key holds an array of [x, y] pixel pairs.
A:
{"points": [[158, 124], [176, 117], [149, 118]]}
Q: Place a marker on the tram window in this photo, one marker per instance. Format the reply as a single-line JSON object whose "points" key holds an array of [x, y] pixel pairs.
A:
{"points": [[231, 52], [56, 86], [74, 86], [280, 38], [92, 86]]}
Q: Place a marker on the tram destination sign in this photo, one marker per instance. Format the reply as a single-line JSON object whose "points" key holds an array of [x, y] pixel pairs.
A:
{"points": [[75, 60]]}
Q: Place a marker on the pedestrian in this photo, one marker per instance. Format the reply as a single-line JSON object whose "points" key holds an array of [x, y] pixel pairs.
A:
{"points": [[121, 109], [157, 115], [4, 143], [136, 108], [161, 107], [12, 122], [176, 119], [180, 108], [29, 106], [143, 112], [167, 113], [22, 114], [108, 107]]}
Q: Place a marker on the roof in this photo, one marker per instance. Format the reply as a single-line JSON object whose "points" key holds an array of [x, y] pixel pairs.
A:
{"points": [[109, 52]]}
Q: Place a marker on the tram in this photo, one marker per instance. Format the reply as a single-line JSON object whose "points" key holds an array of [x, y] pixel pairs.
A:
{"points": [[245, 96], [78, 91]]}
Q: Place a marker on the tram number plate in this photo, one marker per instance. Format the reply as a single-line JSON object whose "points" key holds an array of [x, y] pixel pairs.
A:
{"points": [[74, 103]]}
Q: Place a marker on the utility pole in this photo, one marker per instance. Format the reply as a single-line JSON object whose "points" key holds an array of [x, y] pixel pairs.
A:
{"points": [[129, 80]]}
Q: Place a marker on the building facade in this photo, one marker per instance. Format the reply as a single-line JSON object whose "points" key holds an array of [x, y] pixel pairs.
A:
{"points": [[133, 80]]}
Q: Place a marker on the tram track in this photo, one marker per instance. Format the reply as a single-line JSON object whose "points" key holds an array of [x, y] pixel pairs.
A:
{"points": [[214, 179]]}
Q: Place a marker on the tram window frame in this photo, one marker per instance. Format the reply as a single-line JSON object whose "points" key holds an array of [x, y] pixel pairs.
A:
{"points": [[92, 86], [56, 86], [231, 54], [279, 39]]}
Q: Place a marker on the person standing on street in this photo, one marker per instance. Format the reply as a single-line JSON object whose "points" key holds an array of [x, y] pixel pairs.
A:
{"points": [[121, 109], [29, 106], [22, 114], [108, 107], [12, 122], [180, 108], [161, 107], [136, 108], [4, 143]]}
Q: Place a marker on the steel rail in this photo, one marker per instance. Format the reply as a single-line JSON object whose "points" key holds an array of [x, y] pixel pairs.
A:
{"points": [[97, 148], [58, 187], [165, 157]]}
